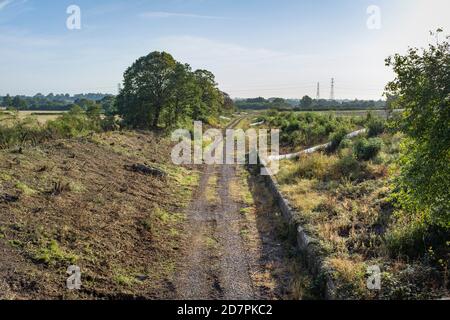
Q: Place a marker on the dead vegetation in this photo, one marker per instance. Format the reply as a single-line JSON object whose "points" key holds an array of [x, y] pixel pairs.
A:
{"points": [[74, 202]]}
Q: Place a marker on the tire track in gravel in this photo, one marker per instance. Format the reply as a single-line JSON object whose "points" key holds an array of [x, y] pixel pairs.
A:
{"points": [[218, 263], [234, 263]]}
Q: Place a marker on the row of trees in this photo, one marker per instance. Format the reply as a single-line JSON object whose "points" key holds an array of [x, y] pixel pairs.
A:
{"points": [[308, 104], [159, 91], [55, 103]]}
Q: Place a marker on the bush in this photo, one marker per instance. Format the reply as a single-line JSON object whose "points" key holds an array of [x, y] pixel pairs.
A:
{"points": [[309, 129], [412, 238], [367, 149], [345, 144], [347, 167], [337, 138], [315, 166], [28, 131], [375, 126]]}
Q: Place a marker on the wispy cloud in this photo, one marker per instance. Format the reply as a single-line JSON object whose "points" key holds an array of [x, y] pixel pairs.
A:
{"points": [[4, 3], [163, 14]]}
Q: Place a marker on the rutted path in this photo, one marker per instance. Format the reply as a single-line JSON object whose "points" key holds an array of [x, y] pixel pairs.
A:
{"points": [[230, 254]]}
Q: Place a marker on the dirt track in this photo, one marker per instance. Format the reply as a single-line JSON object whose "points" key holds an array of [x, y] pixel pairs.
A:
{"points": [[221, 260]]}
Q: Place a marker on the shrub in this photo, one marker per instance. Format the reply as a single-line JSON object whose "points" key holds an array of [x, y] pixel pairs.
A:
{"points": [[75, 123], [412, 238], [348, 167], [367, 149], [345, 144], [337, 138], [315, 166], [375, 126]]}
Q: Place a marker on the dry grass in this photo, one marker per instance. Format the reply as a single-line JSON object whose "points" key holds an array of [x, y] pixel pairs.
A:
{"points": [[211, 193], [346, 204]]}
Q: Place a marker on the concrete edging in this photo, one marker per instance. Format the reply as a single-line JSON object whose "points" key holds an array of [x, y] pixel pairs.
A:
{"points": [[307, 245]]}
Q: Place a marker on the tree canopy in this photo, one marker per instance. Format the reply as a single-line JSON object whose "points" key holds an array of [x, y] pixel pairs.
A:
{"points": [[306, 102], [159, 91]]}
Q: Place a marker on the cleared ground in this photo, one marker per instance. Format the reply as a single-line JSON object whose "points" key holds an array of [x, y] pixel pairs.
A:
{"points": [[75, 202]]}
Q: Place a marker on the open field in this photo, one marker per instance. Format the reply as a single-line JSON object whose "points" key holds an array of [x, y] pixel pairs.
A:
{"points": [[42, 116], [352, 113]]}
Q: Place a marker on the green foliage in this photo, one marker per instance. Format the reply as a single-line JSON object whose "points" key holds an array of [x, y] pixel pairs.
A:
{"points": [[375, 126], [307, 129], [306, 102], [315, 166], [367, 149], [7, 101], [316, 105], [158, 90], [422, 88], [348, 167], [410, 237], [51, 254], [52, 102], [18, 103], [336, 138], [74, 123]]}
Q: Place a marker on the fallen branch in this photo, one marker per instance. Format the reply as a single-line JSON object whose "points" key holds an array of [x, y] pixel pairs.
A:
{"points": [[146, 170]]}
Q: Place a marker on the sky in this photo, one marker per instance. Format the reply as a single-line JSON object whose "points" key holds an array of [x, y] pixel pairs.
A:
{"points": [[269, 48]]}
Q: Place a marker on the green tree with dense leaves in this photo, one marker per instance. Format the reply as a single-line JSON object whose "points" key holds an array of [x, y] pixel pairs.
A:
{"points": [[7, 101], [228, 103], [108, 104], [18, 103], [280, 103], [210, 98], [148, 90], [306, 102], [422, 90], [158, 90]]}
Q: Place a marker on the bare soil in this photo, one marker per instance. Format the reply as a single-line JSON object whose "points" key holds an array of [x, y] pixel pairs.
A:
{"points": [[74, 202]]}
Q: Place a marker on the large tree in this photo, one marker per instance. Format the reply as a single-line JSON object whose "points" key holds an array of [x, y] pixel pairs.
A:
{"points": [[148, 89], [19, 103], [7, 101], [158, 90], [422, 90], [306, 102], [228, 103]]}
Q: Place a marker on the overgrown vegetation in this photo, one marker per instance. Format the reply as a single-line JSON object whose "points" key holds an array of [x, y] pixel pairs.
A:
{"points": [[16, 132], [344, 199], [300, 130], [422, 88], [383, 199]]}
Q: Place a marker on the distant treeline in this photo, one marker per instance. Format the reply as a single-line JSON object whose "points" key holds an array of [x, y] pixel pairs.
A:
{"points": [[308, 104], [52, 102]]}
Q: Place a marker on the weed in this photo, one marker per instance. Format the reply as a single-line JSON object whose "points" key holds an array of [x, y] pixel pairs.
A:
{"points": [[51, 253], [25, 189]]}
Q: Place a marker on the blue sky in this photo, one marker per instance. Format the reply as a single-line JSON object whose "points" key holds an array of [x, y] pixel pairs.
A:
{"points": [[254, 47]]}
